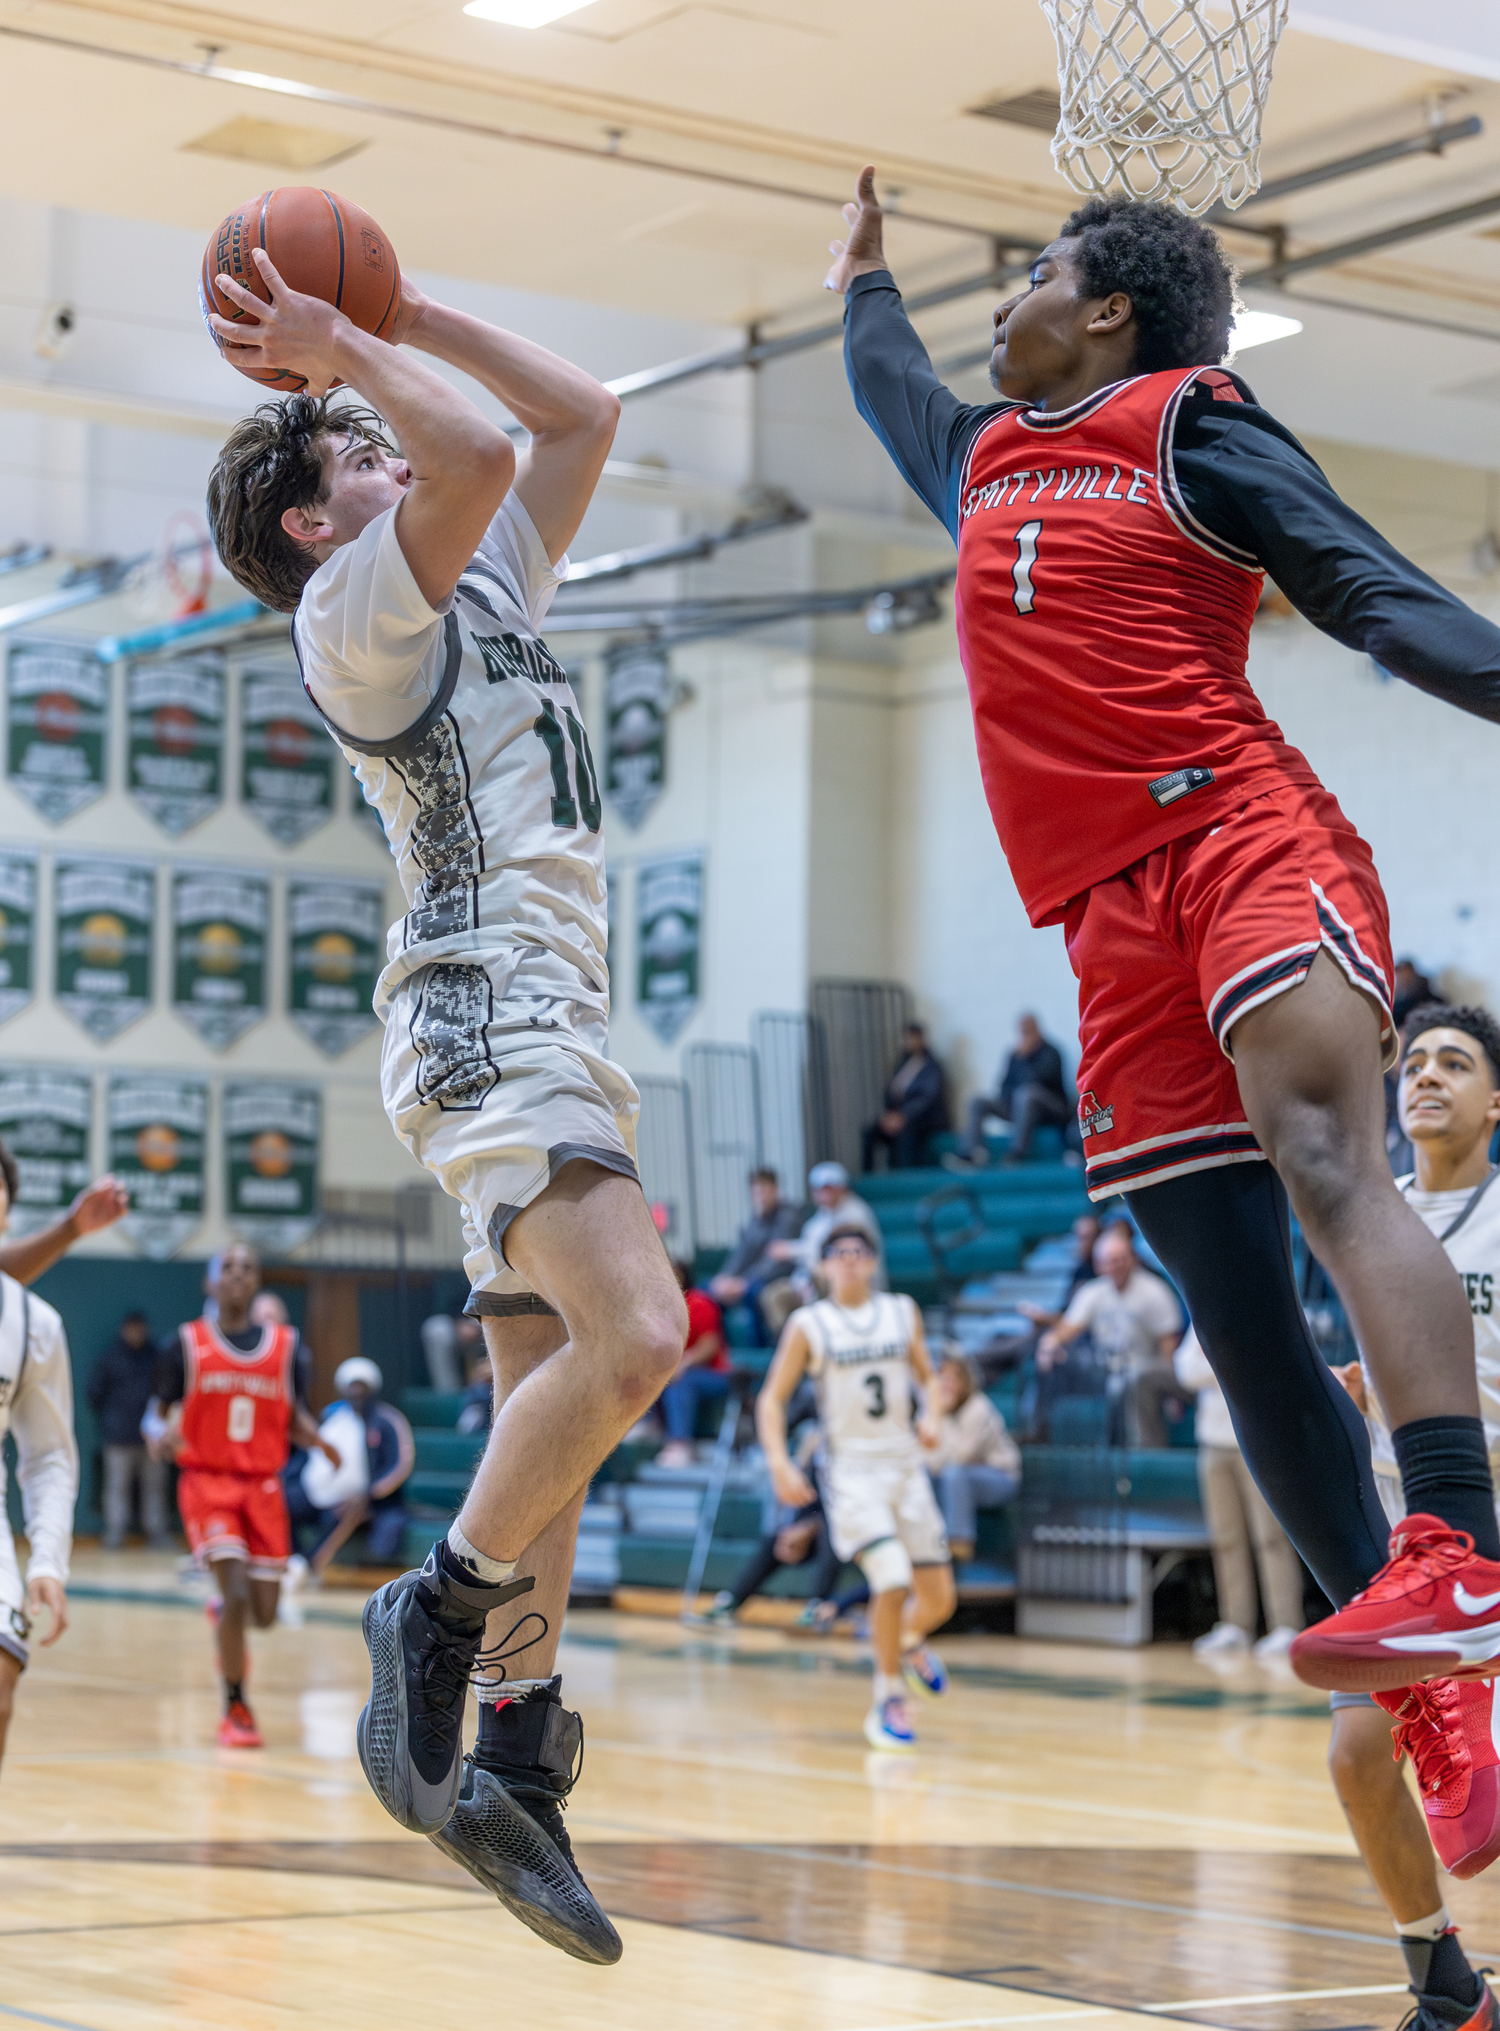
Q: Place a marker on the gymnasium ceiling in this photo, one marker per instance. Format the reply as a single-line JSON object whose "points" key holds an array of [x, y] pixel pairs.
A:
{"points": [[755, 114]]}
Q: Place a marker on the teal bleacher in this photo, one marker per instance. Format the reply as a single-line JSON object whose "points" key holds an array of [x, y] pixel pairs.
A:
{"points": [[1019, 1205]]}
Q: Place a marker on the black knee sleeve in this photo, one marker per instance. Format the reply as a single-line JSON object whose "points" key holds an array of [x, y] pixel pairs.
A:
{"points": [[1224, 1236]]}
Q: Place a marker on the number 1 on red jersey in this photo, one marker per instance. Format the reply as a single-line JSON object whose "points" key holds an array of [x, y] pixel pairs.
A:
{"points": [[1020, 571]]}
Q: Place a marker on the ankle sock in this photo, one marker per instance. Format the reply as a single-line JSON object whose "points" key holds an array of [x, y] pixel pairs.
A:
{"points": [[1445, 1471], [886, 1685], [1435, 1962], [234, 1691], [478, 1565]]}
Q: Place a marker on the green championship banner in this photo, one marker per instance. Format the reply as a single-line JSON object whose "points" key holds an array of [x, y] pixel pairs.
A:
{"points": [[219, 926], [337, 934], [638, 694], [56, 726], [175, 757], [157, 1127], [44, 1123], [104, 920], [669, 931], [17, 930], [287, 757], [271, 1138]]}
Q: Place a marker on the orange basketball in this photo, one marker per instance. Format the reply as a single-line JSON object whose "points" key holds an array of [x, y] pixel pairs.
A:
{"points": [[320, 245]]}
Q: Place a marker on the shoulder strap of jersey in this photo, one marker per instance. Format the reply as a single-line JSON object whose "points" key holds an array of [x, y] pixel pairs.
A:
{"points": [[437, 705], [1225, 387], [1469, 1204]]}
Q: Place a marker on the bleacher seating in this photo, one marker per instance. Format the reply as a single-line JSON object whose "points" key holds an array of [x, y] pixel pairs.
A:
{"points": [[1019, 1205]]}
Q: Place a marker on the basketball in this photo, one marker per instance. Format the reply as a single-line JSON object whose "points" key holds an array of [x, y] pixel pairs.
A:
{"points": [[319, 244]]}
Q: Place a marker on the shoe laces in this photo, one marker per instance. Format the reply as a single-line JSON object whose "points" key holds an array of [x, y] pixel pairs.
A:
{"points": [[446, 1665], [1425, 1554], [1427, 1730]]}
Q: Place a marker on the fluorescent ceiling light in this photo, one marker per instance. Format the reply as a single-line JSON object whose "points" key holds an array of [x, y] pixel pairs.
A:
{"points": [[523, 13], [1259, 327]]}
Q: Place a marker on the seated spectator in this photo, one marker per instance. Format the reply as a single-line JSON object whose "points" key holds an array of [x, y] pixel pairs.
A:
{"points": [[1134, 1322], [837, 1206], [915, 1107], [751, 1266], [1033, 1090], [1239, 1521], [976, 1463], [392, 1454], [119, 1389], [800, 1538], [1085, 1230], [702, 1375]]}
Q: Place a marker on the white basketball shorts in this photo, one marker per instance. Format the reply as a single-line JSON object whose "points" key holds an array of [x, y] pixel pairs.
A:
{"points": [[494, 1080], [14, 1625], [868, 1500]]}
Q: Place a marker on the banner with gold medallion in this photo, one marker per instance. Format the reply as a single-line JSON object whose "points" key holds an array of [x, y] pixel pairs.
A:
{"points": [[44, 1123], [336, 931], [157, 1133], [104, 914], [219, 925], [17, 930], [271, 1142]]}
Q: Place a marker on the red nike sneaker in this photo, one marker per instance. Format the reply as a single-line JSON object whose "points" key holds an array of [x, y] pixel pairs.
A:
{"points": [[1447, 1729], [1432, 1612], [237, 1730]]}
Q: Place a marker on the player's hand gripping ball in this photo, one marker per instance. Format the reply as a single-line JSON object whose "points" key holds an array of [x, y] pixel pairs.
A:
{"points": [[320, 245]]}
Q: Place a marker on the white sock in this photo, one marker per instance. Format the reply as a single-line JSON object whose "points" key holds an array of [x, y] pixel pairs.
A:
{"points": [[886, 1685], [1426, 1928], [493, 1572]]}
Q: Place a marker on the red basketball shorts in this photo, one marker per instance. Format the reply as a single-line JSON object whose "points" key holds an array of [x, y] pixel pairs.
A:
{"points": [[1172, 951], [236, 1516]]}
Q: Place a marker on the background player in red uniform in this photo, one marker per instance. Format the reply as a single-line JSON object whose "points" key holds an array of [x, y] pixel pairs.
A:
{"points": [[235, 1396], [1114, 513]]}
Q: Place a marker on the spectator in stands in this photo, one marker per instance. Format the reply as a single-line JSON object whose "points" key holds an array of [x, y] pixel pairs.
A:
{"points": [[976, 1464], [119, 1390], [1086, 1230], [799, 1537], [1239, 1521], [837, 1206], [751, 1266], [702, 1375], [392, 1455], [914, 1110], [1033, 1091], [1134, 1323]]}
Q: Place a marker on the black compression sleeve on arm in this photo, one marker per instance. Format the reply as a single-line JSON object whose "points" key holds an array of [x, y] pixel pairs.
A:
{"points": [[921, 423], [1249, 481], [1224, 1236]]}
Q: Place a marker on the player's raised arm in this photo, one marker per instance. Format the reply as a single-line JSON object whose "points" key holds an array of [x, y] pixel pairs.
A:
{"points": [[787, 1369], [920, 421], [97, 1206], [460, 464], [570, 415]]}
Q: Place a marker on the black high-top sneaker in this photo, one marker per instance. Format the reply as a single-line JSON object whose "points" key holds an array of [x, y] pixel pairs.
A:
{"points": [[423, 1633], [507, 1829], [1442, 2013]]}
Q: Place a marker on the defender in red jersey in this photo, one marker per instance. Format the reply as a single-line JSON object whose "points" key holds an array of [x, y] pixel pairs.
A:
{"points": [[235, 1402], [1114, 514]]}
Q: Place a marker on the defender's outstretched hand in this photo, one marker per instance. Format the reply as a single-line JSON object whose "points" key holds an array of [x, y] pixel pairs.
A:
{"points": [[292, 333], [99, 1205], [864, 250]]}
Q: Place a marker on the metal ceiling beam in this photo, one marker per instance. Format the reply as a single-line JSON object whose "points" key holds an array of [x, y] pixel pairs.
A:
{"points": [[1276, 272], [1432, 141], [775, 511]]}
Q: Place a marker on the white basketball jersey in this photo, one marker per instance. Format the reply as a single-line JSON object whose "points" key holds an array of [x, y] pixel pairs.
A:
{"points": [[490, 803], [861, 1363]]}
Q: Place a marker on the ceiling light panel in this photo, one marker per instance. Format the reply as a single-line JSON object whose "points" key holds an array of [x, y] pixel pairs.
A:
{"points": [[272, 142], [524, 13], [1259, 328]]}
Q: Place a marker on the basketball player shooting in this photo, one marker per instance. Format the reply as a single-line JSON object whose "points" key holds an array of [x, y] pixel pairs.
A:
{"points": [[417, 582], [1114, 513]]}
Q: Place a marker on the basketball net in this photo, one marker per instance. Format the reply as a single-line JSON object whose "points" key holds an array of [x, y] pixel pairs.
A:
{"points": [[1159, 100]]}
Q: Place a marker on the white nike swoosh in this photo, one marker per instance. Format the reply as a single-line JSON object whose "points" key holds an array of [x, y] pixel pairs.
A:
{"points": [[1473, 1604]]}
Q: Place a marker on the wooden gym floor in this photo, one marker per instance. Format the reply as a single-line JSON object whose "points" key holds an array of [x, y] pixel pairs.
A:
{"points": [[1083, 1838]]}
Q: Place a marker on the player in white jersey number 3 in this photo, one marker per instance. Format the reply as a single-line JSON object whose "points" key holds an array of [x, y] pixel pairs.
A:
{"points": [[865, 1350], [417, 581]]}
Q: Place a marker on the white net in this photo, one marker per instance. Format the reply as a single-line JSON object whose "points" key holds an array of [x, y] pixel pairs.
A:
{"points": [[1162, 99]]}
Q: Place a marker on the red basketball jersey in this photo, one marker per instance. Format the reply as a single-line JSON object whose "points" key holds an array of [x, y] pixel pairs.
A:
{"points": [[1104, 634], [237, 1408]]}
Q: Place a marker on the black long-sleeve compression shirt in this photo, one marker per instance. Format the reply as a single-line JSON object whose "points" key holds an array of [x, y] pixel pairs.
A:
{"points": [[1244, 477]]}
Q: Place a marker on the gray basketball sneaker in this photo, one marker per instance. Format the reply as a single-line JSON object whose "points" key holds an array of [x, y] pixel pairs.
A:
{"points": [[507, 1830], [423, 1634]]}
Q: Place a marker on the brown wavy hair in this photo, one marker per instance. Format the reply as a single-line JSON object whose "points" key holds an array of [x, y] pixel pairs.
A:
{"points": [[272, 461]]}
